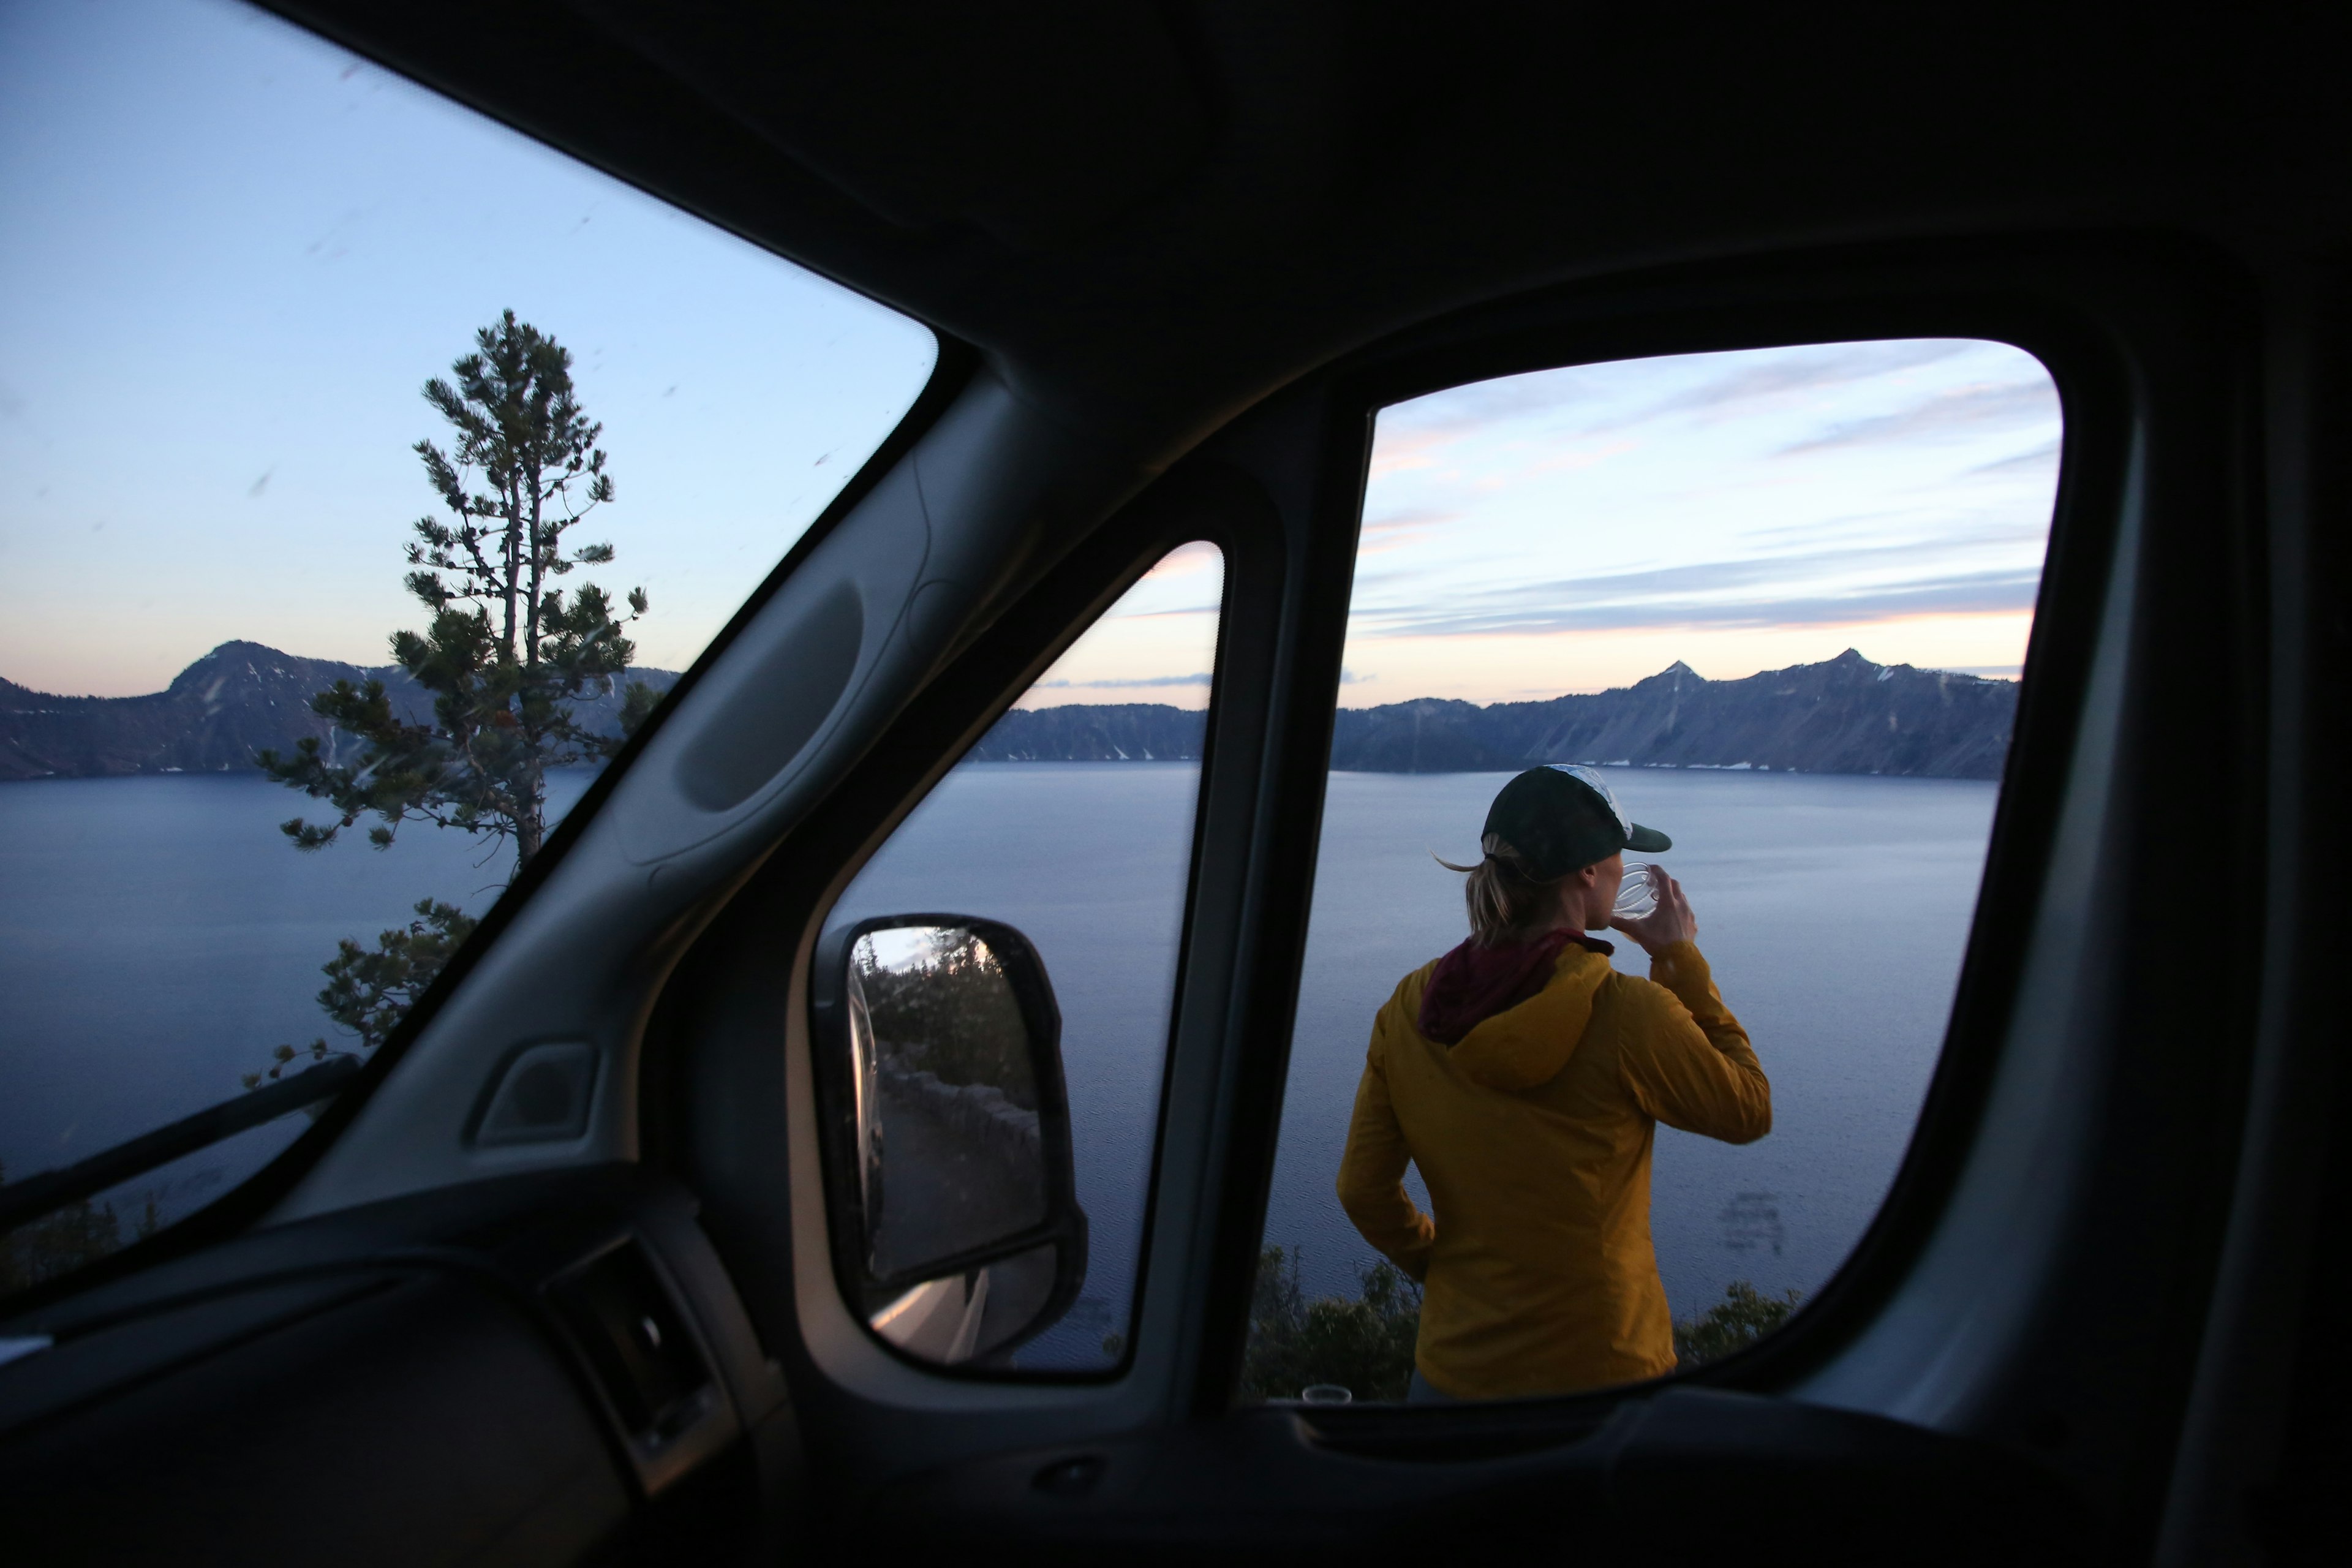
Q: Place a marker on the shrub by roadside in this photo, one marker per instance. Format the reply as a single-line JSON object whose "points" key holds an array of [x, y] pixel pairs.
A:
{"points": [[1744, 1316], [1365, 1345]]}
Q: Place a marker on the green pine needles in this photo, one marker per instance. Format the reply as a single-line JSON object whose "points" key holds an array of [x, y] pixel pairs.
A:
{"points": [[369, 990], [505, 654]]}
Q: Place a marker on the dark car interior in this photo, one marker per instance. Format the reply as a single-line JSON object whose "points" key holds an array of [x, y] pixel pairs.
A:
{"points": [[560, 1275]]}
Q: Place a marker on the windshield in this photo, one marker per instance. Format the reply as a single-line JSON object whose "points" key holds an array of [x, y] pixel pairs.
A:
{"points": [[371, 471]]}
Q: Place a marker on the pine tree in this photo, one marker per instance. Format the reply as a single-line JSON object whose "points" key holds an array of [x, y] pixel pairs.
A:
{"points": [[504, 654], [369, 991]]}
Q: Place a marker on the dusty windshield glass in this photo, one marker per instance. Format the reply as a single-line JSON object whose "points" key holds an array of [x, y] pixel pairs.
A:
{"points": [[367, 473]]}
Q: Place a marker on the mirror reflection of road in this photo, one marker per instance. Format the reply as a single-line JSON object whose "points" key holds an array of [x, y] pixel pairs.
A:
{"points": [[946, 1191]]}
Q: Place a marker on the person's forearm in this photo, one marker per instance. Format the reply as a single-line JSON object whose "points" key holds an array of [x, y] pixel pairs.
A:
{"points": [[1683, 970], [1739, 1108]]}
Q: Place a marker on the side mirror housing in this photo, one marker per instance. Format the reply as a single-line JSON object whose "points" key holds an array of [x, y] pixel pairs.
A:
{"points": [[950, 1189]]}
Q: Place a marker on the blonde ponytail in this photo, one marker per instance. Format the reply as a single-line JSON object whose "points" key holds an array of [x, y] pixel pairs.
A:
{"points": [[1504, 903]]}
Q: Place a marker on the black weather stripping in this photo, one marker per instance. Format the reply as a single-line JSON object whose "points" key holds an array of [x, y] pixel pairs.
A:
{"points": [[40, 1194]]}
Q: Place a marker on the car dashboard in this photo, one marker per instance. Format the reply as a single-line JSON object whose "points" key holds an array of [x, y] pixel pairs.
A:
{"points": [[534, 1370]]}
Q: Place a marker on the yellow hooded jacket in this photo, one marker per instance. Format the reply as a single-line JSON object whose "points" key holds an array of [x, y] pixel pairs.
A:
{"points": [[1533, 1132]]}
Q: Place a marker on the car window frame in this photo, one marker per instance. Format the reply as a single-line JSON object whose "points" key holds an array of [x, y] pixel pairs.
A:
{"points": [[1386, 383], [1643, 319]]}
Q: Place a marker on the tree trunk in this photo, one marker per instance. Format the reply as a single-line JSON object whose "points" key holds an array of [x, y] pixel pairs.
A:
{"points": [[531, 821], [511, 562], [538, 569]]}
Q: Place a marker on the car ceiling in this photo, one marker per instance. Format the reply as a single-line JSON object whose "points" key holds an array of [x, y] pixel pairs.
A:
{"points": [[1150, 215]]}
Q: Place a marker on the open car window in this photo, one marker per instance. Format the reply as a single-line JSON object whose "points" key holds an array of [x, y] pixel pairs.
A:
{"points": [[1773, 604], [372, 470]]}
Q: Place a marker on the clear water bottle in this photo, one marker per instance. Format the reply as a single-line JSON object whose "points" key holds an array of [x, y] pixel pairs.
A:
{"points": [[1637, 895]]}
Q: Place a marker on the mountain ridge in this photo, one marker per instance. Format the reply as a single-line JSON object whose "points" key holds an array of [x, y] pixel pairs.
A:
{"points": [[240, 698], [1845, 715]]}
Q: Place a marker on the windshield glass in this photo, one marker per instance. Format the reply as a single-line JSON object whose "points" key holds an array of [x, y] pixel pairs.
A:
{"points": [[367, 472]]}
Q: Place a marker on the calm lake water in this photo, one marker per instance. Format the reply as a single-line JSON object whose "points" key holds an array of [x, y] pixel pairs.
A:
{"points": [[1832, 911], [159, 937]]}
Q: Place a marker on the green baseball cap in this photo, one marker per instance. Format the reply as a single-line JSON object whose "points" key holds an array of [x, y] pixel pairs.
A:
{"points": [[1561, 818]]}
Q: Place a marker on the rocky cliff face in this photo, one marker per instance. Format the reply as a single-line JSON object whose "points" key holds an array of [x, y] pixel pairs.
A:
{"points": [[239, 698], [1094, 732], [1847, 715]]}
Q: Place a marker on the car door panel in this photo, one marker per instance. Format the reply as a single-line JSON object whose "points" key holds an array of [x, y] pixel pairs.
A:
{"points": [[399, 1383], [1687, 1475]]}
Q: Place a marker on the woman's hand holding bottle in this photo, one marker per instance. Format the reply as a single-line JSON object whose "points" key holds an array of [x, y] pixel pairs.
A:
{"points": [[1670, 923]]}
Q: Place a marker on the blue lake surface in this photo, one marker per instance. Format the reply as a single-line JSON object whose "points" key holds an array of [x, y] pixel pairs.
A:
{"points": [[1832, 911], [159, 937]]}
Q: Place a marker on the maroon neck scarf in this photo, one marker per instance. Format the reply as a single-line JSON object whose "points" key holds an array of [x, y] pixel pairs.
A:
{"points": [[1473, 983]]}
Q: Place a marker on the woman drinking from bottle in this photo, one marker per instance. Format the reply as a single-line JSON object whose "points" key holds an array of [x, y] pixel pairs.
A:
{"points": [[1525, 1077]]}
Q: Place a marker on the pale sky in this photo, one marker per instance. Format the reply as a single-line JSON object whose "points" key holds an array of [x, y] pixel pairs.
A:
{"points": [[1575, 529], [1157, 644], [230, 254]]}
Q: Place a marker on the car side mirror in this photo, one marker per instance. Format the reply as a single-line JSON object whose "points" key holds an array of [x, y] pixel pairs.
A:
{"points": [[949, 1184]]}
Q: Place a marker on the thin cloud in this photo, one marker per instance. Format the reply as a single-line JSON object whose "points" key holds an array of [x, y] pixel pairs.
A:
{"points": [[1807, 570], [1443, 415], [1399, 451], [2042, 459], [1996, 592], [1579, 457], [1416, 434], [1803, 370], [1397, 530], [1413, 517], [1761, 374], [1915, 528], [1963, 411], [1200, 679]]}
